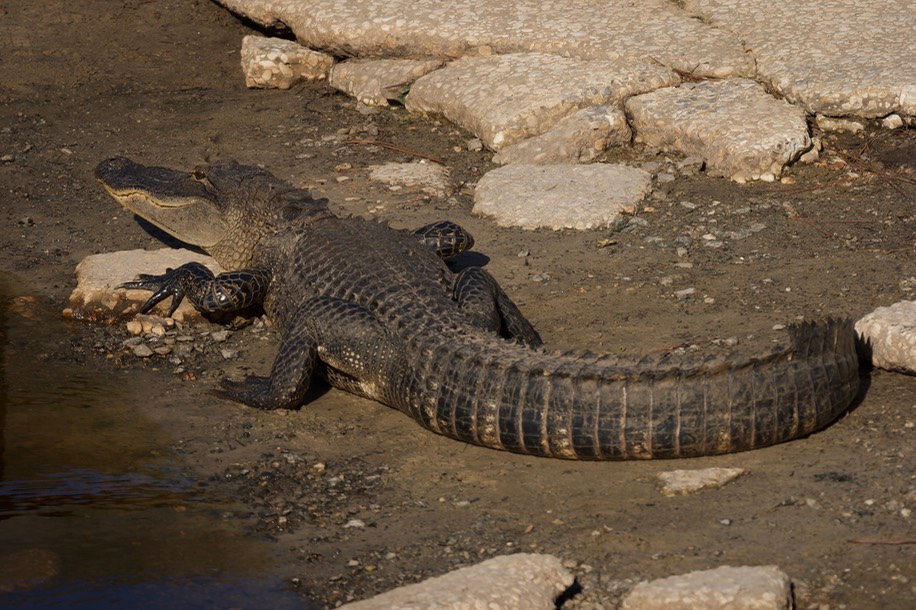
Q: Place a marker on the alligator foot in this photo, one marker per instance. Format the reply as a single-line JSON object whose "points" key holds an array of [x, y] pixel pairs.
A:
{"points": [[490, 308], [253, 391], [232, 291], [172, 283]]}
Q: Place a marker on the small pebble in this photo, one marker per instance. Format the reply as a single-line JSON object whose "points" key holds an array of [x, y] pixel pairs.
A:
{"points": [[142, 351], [220, 335], [683, 294]]}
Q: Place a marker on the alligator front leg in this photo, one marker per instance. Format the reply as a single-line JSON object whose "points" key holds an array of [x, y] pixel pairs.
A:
{"points": [[489, 307], [351, 345], [224, 293]]}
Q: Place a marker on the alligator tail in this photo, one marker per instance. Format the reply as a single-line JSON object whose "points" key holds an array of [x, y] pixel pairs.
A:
{"points": [[583, 406]]}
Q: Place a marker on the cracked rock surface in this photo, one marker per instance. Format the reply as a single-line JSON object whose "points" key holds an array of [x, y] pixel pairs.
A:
{"points": [[522, 580], [505, 99], [557, 197], [710, 120]]}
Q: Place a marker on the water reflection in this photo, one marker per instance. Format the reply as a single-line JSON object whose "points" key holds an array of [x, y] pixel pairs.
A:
{"points": [[48, 492], [93, 513]]}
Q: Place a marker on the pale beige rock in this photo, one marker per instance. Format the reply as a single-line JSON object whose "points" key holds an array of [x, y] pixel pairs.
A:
{"points": [[740, 130], [145, 324], [431, 178], [827, 123], [890, 334], [724, 588], [682, 482], [522, 581], [577, 138], [557, 197], [96, 299], [505, 99], [374, 82], [834, 57], [275, 63], [649, 30]]}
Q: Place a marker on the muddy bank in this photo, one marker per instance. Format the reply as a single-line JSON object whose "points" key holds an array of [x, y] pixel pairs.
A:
{"points": [[357, 497]]}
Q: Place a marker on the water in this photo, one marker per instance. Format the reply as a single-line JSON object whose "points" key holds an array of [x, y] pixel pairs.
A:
{"points": [[94, 513]]}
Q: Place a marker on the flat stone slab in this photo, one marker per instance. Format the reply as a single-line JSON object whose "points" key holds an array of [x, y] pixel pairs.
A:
{"points": [[724, 588], [578, 138], [557, 197], [830, 58], [505, 99], [275, 63], [682, 482], [584, 29], [508, 582], [431, 178], [734, 125], [96, 298], [890, 333], [375, 81], [833, 57]]}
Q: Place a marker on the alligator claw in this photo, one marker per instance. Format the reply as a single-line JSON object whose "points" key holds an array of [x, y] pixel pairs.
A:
{"points": [[253, 391], [167, 285]]}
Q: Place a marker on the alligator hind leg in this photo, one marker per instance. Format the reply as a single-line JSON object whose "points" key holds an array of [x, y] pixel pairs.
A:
{"points": [[344, 336], [489, 307]]}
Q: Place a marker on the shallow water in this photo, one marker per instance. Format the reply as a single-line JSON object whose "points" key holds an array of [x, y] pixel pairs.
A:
{"points": [[94, 512]]}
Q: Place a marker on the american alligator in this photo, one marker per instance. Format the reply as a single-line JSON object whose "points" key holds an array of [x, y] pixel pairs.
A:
{"points": [[379, 314]]}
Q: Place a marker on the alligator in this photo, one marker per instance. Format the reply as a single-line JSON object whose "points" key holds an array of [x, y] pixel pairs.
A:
{"points": [[377, 312]]}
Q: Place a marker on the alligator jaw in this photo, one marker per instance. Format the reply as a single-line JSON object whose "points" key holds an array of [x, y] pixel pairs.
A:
{"points": [[176, 202]]}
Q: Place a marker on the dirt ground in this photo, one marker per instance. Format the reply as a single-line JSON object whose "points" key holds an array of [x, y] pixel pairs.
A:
{"points": [[360, 499]]}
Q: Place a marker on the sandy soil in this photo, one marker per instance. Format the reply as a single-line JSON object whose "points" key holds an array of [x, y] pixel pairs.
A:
{"points": [[358, 497]]}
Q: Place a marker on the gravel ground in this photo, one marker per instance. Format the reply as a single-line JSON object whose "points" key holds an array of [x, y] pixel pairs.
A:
{"points": [[357, 498]]}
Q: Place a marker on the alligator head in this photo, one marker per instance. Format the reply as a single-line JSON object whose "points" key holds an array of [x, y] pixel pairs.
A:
{"points": [[226, 208]]}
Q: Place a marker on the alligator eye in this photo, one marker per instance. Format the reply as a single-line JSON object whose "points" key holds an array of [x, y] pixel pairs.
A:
{"points": [[200, 174]]}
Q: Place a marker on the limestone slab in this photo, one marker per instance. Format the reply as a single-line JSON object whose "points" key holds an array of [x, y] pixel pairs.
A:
{"points": [[509, 582], [577, 138], [431, 178], [834, 57], [505, 99], [96, 298], [890, 335], [557, 197], [739, 130], [374, 82], [275, 63], [724, 588], [584, 29]]}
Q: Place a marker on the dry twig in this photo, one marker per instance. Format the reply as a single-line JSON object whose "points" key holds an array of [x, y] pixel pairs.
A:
{"points": [[396, 148], [887, 542]]}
